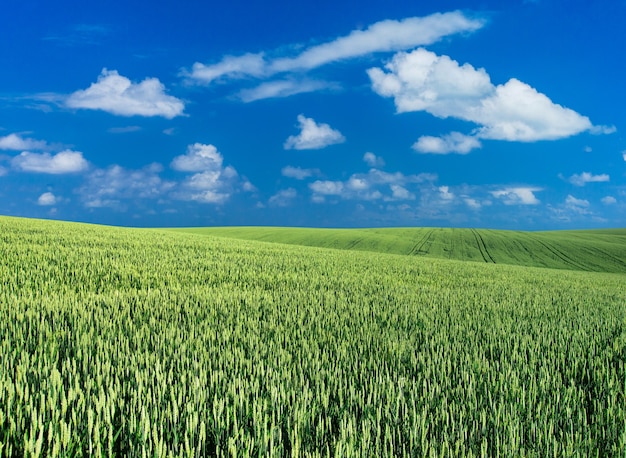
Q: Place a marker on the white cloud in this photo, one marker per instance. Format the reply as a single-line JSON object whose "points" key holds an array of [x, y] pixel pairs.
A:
{"points": [[624, 155], [370, 186], [298, 173], [517, 195], [445, 194], [3, 171], [108, 187], [609, 200], [199, 158], [313, 135], [283, 88], [64, 162], [283, 198], [454, 142], [400, 193], [327, 187], [586, 177], [212, 182], [383, 36], [47, 199], [578, 205], [16, 142], [373, 161], [117, 95], [472, 203], [423, 81]]}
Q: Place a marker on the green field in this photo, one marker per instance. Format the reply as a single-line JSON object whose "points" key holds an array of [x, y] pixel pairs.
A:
{"points": [[593, 250], [137, 342]]}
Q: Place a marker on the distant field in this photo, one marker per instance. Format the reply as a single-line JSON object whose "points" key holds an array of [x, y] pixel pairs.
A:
{"points": [[136, 342], [593, 250]]}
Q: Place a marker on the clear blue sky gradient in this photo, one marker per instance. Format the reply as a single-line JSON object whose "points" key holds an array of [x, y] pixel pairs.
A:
{"points": [[498, 114]]}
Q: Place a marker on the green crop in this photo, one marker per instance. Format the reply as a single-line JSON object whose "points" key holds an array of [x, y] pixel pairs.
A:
{"points": [[129, 342], [592, 250]]}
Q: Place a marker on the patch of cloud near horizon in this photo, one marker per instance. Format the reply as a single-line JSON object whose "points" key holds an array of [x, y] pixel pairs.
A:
{"points": [[421, 80], [587, 177], [313, 135], [116, 94], [383, 36], [54, 164], [111, 186], [211, 182], [283, 198]]}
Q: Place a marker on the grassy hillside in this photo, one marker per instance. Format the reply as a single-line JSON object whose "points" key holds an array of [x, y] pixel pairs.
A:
{"points": [[594, 250], [128, 342]]}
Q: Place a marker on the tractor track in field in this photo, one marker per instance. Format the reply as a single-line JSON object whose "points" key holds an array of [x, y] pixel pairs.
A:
{"points": [[560, 255], [417, 248], [484, 252]]}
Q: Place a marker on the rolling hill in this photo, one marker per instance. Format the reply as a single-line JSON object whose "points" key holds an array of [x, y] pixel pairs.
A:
{"points": [[590, 250]]}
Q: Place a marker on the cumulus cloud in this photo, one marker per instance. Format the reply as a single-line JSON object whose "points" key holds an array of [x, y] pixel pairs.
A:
{"points": [[110, 186], [283, 198], [211, 182], [298, 173], [517, 195], [514, 111], [16, 142], [55, 164], [313, 135], [383, 36], [47, 199], [454, 142], [609, 200], [117, 95], [624, 155], [373, 161], [198, 158], [586, 177]]}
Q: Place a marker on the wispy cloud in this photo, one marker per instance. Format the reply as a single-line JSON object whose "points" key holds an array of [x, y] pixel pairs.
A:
{"points": [[283, 88], [423, 81], [283, 198], [117, 95], [124, 130], [313, 135], [383, 36], [113, 186], [586, 177], [298, 173]]}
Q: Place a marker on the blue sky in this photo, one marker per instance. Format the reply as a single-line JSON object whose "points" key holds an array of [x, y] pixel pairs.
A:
{"points": [[506, 114]]}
